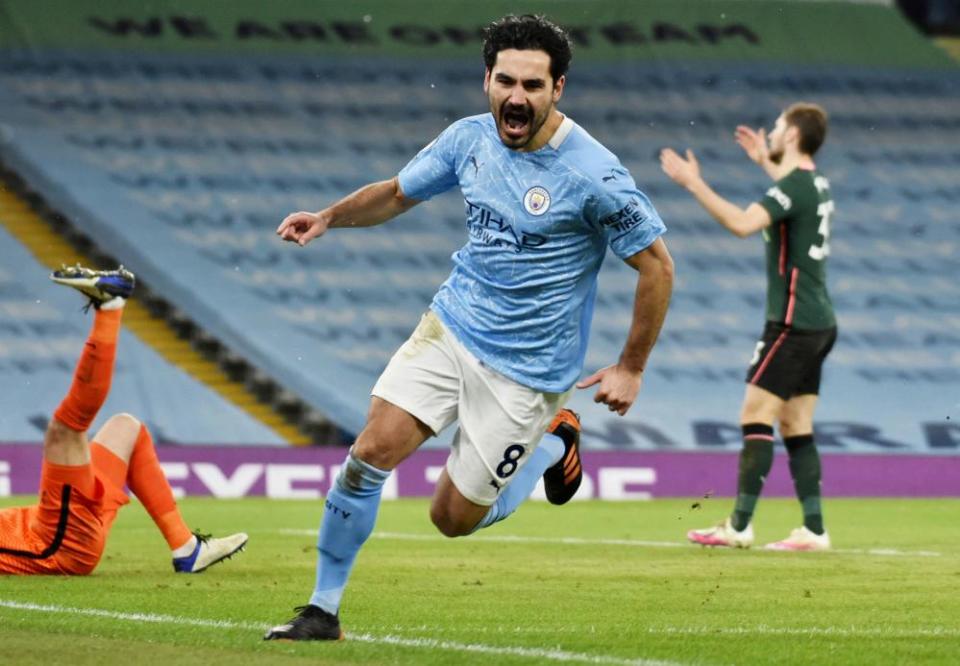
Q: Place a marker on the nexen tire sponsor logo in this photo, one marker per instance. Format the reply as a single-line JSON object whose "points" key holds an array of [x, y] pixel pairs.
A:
{"points": [[626, 218]]}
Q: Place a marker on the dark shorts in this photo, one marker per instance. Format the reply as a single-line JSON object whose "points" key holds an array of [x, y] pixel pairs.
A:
{"points": [[788, 361]]}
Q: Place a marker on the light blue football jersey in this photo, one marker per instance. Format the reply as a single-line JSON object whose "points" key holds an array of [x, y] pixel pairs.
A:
{"points": [[522, 290]]}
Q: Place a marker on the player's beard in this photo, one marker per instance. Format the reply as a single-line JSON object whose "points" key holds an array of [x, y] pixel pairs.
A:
{"points": [[517, 125]]}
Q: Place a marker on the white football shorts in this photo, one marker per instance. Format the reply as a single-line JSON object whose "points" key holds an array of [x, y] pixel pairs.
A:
{"points": [[436, 379]]}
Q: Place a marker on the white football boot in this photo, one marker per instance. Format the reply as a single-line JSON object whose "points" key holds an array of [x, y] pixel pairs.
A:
{"points": [[723, 535], [801, 539], [208, 551]]}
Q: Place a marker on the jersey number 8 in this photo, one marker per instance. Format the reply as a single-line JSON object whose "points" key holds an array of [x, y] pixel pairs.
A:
{"points": [[508, 465]]}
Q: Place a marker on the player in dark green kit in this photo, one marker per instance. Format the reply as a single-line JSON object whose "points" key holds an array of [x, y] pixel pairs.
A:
{"points": [[784, 376]]}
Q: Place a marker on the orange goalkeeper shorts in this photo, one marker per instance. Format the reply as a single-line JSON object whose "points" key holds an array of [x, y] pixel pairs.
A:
{"points": [[65, 533]]}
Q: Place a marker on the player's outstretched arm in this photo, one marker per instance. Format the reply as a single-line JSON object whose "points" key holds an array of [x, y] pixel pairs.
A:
{"points": [[754, 144], [620, 383], [686, 173], [370, 205]]}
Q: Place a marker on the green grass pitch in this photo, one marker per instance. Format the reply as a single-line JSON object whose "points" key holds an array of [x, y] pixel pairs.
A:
{"points": [[621, 589]]}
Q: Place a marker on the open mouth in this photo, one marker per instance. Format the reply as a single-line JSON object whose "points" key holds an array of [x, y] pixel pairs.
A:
{"points": [[515, 122]]}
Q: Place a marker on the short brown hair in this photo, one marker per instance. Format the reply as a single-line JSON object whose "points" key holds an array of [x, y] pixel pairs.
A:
{"points": [[811, 121]]}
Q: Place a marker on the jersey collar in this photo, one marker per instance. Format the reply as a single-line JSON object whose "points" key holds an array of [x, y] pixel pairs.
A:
{"points": [[566, 126]]}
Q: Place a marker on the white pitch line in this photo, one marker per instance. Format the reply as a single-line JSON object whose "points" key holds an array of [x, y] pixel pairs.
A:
{"points": [[578, 541], [427, 643], [893, 552], [852, 631], [505, 538], [742, 630], [533, 653], [146, 618]]}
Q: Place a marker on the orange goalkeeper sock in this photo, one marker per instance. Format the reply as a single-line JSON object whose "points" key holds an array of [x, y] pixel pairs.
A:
{"points": [[146, 480], [94, 372]]}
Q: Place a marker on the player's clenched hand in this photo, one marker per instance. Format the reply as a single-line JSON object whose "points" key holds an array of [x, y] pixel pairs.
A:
{"points": [[302, 227], [754, 143], [682, 171], [618, 387]]}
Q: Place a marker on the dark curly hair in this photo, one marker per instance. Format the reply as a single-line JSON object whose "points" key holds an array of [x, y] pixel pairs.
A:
{"points": [[528, 32]]}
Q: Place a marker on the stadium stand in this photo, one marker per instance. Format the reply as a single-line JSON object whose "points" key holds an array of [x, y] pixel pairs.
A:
{"points": [[183, 164], [41, 331]]}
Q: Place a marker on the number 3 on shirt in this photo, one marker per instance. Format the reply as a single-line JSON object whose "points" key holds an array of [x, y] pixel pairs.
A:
{"points": [[824, 211]]}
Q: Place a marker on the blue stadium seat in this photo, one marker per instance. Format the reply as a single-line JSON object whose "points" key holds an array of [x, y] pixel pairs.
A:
{"points": [[41, 335]]}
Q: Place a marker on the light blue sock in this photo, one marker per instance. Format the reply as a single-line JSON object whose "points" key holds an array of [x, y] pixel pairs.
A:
{"points": [[348, 518], [548, 452]]}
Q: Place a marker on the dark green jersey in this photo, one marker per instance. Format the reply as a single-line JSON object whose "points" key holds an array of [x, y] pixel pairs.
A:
{"points": [[798, 243]]}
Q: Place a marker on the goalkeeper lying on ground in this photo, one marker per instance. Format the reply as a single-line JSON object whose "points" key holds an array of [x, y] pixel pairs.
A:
{"points": [[82, 484]]}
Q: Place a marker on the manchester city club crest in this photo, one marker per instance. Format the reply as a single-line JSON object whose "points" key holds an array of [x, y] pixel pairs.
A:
{"points": [[536, 200]]}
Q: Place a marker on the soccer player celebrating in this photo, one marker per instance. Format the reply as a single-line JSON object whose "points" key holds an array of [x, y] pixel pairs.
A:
{"points": [[505, 337], [784, 375], [81, 483]]}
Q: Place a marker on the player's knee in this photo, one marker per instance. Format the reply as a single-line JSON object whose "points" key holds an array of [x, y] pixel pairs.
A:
{"points": [[449, 528], [389, 436], [788, 427], [120, 434], [374, 451], [791, 425], [447, 524], [127, 423], [758, 412]]}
